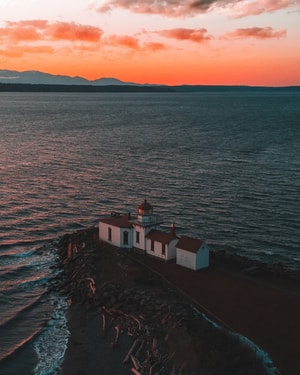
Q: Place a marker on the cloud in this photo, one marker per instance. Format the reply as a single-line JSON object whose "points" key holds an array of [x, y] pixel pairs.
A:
{"points": [[170, 8], [20, 31], [39, 24], [193, 35], [36, 30], [184, 8], [123, 41], [240, 9], [74, 32], [19, 51], [154, 46], [255, 32], [132, 43], [19, 38]]}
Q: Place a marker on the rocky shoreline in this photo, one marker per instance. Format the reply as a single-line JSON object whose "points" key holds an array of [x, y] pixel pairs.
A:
{"points": [[143, 325]]}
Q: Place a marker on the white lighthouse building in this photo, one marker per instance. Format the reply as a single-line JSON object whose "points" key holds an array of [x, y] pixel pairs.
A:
{"points": [[143, 233], [143, 224]]}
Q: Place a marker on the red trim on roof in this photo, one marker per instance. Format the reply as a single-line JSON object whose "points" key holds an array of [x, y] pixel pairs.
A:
{"points": [[190, 244], [120, 221], [160, 236]]}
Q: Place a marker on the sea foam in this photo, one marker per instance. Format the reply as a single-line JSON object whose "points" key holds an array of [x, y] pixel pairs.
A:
{"points": [[51, 344]]}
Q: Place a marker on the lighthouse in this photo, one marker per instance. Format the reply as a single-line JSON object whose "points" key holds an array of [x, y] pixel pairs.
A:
{"points": [[145, 222]]}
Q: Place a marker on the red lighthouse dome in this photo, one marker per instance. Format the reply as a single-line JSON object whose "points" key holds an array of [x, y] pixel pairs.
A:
{"points": [[145, 208]]}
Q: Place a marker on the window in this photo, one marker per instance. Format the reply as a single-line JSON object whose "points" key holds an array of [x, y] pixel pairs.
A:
{"points": [[109, 234], [137, 237], [163, 249], [125, 238], [152, 245]]}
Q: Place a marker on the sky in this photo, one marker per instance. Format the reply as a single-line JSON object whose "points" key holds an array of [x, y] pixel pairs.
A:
{"points": [[209, 42]]}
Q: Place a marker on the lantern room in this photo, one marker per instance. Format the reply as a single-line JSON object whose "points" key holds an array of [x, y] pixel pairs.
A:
{"points": [[145, 209]]}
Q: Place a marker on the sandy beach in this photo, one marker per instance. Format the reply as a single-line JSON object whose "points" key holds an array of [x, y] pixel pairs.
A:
{"points": [[139, 300]]}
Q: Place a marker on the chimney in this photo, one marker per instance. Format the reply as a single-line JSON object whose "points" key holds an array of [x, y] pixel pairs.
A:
{"points": [[172, 229]]}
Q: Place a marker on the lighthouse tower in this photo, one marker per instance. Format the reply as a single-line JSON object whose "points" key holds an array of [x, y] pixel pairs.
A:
{"points": [[145, 222]]}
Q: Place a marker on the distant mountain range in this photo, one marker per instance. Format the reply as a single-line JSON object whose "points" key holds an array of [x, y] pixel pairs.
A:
{"points": [[39, 78], [31, 80]]}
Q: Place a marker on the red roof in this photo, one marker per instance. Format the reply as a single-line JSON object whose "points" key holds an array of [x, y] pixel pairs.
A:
{"points": [[189, 244], [145, 206], [118, 220], [160, 236]]}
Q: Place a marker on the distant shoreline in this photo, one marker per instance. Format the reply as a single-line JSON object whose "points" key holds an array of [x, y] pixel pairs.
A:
{"points": [[28, 87]]}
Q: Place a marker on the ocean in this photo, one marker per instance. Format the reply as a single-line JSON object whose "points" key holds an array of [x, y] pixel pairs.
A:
{"points": [[223, 166]]}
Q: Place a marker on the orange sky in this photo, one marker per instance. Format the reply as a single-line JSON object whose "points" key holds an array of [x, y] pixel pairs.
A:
{"points": [[252, 42]]}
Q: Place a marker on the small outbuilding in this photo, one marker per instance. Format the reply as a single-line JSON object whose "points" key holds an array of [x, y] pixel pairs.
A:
{"points": [[192, 253]]}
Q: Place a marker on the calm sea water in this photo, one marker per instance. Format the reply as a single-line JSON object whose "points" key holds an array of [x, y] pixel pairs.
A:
{"points": [[223, 166]]}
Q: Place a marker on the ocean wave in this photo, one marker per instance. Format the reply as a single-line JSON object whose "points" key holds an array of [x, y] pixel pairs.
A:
{"points": [[18, 264], [16, 248], [51, 344], [13, 349], [25, 325], [24, 292], [29, 256], [31, 283], [10, 257], [15, 312], [17, 272], [259, 352]]}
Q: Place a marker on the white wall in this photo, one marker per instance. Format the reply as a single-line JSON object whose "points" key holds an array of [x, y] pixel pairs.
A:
{"points": [[194, 261], [141, 244], [186, 259], [157, 251], [143, 232], [172, 249], [116, 235]]}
